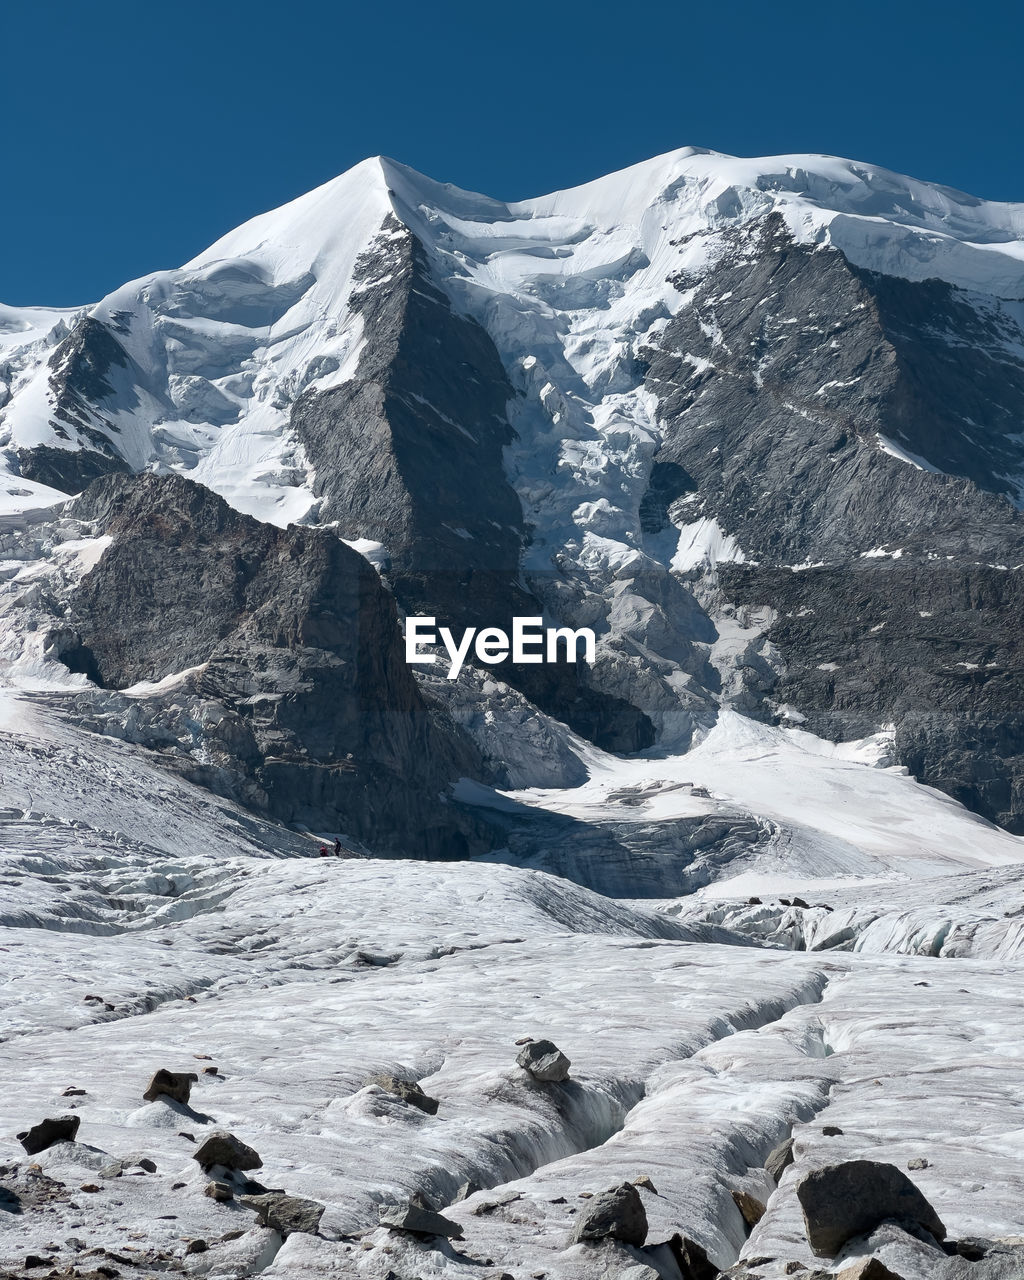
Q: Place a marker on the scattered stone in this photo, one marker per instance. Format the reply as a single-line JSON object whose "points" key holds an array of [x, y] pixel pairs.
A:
{"points": [[524, 1040], [34, 1260], [691, 1259], [286, 1214], [176, 1085], [616, 1214], [791, 1268], [544, 1061], [753, 902], [189, 1136], [749, 1206], [231, 1235], [780, 1159], [841, 1201], [868, 1269], [89, 1186], [147, 1164], [219, 1191], [420, 1222], [919, 1162], [799, 902], [645, 1182], [211, 1071], [467, 1189], [47, 1132], [227, 1150], [832, 1131], [408, 1090], [196, 1246], [176, 1186], [73, 1092]]}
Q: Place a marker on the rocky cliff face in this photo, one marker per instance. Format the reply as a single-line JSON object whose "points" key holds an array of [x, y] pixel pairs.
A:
{"points": [[294, 676]]}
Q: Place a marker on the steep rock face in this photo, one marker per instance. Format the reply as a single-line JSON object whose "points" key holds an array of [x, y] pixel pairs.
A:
{"points": [[820, 414], [788, 373], [300, 680], [409, 453]]}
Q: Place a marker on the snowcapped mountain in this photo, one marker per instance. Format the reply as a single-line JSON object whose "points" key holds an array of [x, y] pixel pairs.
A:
{"points": [[759, 423]]}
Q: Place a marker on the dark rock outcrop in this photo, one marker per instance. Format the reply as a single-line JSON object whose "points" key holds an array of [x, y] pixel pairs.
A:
{"points": [[304, 707], [409, 1091], [418, 1221], [841, 1201]]}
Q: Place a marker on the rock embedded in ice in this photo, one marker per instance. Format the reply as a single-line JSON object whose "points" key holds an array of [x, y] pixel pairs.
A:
{"points": [[227, 1150], [47, 1132], [840, 1201], [176, 1085], [544, 1061], [218, 1190], [615, 1214], [420, 1222], [779, 1159], [749, 1206], [408, 1091], [284, 1213]]}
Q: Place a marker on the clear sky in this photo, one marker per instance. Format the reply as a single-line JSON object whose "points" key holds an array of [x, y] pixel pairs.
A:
{"points": [[135, 132]]}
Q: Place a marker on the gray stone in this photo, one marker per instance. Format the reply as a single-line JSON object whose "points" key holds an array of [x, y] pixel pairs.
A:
{"points": [[780, 1158], [749, 1206], [176, 1085], [221, 1191], [544, 1061], [408, 1090], [841, 1201], [420, 1222], [286, 1214], [616, 1214], [49, 1131], [227, 1150]]}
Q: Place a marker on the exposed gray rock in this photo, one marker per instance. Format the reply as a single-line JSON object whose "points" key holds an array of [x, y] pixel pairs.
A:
{"points": [[420, 1222], [841, 1201], [780, 1158], [225, 1149], [176, 1085], [749, 1206], [284, 1213], [221, 1191], [868, 1269], [49, 1131], [544, 1061], [408, 1090], [616, 1214]]}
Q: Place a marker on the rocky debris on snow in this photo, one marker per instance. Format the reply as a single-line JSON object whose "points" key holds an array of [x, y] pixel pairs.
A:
{"points": [[691, 1258], [418, 1221], [749, 1206], [466, 1190], [840, 1201], [615, 1214], [779, 1159], [868, 1269], [645, 1183], [218, 1190], [408, 1090], [284, 1213], [47, 1132], [117, 1168], [919, 1162], [225, 1149], [196, 1246], [832, 1131], [176, 1085], [544, 1061], [72, 1091]]}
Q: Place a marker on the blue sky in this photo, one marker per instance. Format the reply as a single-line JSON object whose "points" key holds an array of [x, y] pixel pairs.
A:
{"points": [[136, 132]]}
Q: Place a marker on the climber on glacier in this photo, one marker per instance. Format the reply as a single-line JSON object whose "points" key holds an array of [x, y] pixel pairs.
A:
{"points": [[337, 847]]}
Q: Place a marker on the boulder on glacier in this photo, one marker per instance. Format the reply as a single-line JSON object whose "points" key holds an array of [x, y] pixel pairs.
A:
{"points": [[284, 1213], [47, 1132], [544, 1061], [615, 1214], [840, 1201], [176, 1085], [225, 1149], [408, 1090], [419, 1221]]}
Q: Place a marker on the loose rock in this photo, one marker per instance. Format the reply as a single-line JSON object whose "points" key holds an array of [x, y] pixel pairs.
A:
{"points": [[420, 1222], [780, 1159], [749, 1206], [841, 1201], [176, 1085], [408, 1091], [544, 1061], [220, 1191], [286, 1214], [868, 1269], [616, 1214], [227, 1150], [47, 1132]]}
